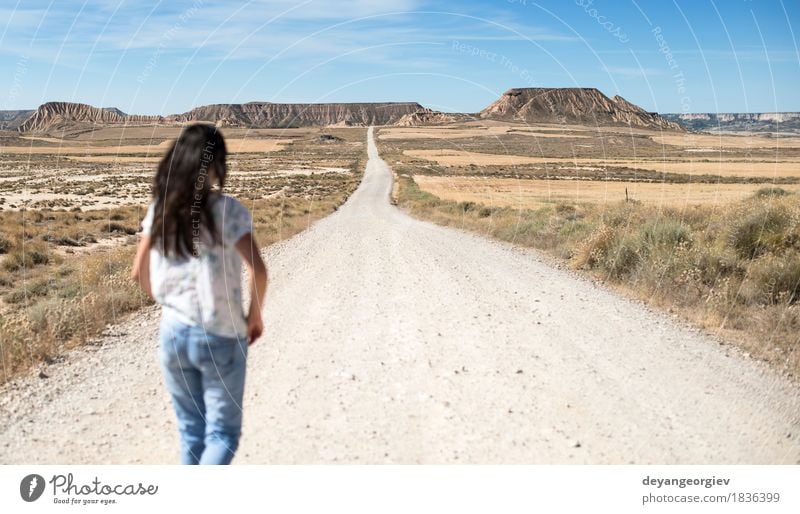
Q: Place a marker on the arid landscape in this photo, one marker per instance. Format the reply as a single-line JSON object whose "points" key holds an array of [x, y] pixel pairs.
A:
{"points": [[618, 220], [703, 226], [71, 203]]}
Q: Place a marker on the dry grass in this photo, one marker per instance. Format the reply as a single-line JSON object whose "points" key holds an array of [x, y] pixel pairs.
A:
{"points": [[734, 271], [712, 231], [533, 194], [60, 289], [706, 166], [64, 268]]}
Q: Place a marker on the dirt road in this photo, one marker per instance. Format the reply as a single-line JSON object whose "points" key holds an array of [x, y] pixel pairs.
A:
{"points": [[393, 340]]}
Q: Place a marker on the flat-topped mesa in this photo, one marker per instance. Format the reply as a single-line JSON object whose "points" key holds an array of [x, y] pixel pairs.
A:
{"points": [[274, 115], [571, 105], [54, 115], [66, 115]]}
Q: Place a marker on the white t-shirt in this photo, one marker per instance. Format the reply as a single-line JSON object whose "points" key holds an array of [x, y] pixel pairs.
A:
{"points": [[205, 291]]}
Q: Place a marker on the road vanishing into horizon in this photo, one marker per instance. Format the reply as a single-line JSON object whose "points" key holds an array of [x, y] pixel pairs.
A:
{"points": [[393, 340]]}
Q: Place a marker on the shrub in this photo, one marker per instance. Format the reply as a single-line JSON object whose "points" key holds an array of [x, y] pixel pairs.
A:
{"points": [[760, 230], [466, 207], [27, 259], [38, 257], [776, 279], [66, 241], [568, 211], [623, 214], [771, 191], [5, 245], [593, 251], [715, 262], [485, 212], [623, 256], [34, 288], [664, 232], [118, 227], [56, 318]]}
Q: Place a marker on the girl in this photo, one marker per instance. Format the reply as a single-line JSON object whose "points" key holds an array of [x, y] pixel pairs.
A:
{"points": [[189, 260]]}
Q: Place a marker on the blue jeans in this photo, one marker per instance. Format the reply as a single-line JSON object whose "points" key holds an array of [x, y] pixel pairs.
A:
{"points": [[204, 374]]}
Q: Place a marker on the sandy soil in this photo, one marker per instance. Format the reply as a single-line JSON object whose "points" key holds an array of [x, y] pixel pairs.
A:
{"points": [[523, 193], [722, 167], [234, 145], [394, 340], [86, 202], [101, 245], [68, 147], [113, 159]]}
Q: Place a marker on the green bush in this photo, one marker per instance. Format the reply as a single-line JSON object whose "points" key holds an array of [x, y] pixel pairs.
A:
{"points": [[714, 263], [759, 231], [27, 259], [777, 279], [40, 287], [771, 191], [623, 256], [664, 232]]}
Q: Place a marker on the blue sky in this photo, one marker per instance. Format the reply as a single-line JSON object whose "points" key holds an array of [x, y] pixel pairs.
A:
{"points": [[169, 56]]}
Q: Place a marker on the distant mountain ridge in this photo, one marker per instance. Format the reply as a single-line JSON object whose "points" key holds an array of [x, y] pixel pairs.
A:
{"points": [[11, 120], [586, 106], [273, 115], [56, 115], [63, 115], [576, 105], [738, 121]]}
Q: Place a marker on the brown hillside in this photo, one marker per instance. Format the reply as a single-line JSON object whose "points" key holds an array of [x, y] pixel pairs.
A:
{"points": [[571, 105], [67, 115], [273, 115], [57, 115]]}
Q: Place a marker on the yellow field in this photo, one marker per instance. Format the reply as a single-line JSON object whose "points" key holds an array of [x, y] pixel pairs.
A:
{"points": [[440, 132], [727, 141], [708, 166], [524, 193], [476, 131]]}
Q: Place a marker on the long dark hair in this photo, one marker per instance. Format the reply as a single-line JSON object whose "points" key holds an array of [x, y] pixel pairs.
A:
{"points": [[183, 217]]}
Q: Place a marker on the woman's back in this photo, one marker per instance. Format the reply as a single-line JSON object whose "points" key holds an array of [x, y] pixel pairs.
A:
{"points": [[205, 290]]}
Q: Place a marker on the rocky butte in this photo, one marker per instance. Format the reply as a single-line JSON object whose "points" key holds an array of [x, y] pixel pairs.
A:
{"points": [[573, 105]]}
